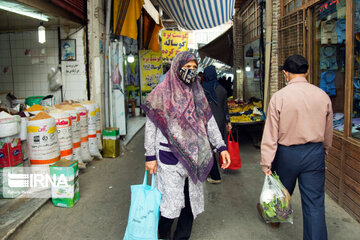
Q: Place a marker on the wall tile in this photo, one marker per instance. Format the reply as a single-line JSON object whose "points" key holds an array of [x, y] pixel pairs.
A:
{"points": [[29, 86]]}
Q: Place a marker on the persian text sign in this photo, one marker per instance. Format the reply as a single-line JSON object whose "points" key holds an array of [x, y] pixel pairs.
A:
{"points": [[151, 70], [173, 42]]}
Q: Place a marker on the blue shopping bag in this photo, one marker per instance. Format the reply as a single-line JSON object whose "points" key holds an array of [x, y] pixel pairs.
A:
{"points": [[144, 212]]}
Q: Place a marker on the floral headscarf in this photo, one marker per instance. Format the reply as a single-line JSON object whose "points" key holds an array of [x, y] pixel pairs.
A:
{"points": [[182, 112]]}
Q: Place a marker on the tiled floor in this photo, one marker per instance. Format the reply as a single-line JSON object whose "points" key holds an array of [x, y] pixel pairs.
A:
{"points": [[134, 124]]}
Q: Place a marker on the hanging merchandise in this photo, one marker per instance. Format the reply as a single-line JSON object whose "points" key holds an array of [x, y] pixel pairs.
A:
{"points": [[43, 140], [341, 30], [75, 132], [91, 118], [63, 126], [328, 58], [98, 127], [328, 32], [55, 79], [357, 83], [327, 82], [341, 9], [85, 154]]}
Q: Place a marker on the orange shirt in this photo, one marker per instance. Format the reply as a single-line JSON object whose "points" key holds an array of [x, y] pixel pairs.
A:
{"points": [[297, 114]]}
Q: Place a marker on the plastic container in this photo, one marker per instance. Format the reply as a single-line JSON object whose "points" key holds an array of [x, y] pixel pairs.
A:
{"points": [[33, 100]]}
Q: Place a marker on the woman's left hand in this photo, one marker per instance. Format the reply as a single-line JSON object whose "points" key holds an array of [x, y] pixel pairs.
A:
{"points": [[228, 127], [226, 159]]}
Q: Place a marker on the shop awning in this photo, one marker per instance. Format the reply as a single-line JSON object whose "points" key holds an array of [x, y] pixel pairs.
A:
{"points": [[195, 14], [202, 63], [221, 48]]}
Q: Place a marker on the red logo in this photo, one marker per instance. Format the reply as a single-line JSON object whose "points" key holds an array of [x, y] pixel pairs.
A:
{"points": [[42, 129], [63, 122]]}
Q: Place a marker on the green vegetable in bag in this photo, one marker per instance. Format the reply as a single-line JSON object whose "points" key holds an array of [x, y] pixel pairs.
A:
{"points": [[275, 201]]}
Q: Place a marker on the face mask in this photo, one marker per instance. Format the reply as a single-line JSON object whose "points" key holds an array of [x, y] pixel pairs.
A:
{"points": [[286, 82], [188, 76]]}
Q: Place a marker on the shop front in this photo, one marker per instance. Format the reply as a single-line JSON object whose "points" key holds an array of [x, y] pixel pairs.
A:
{"points": [[328, 34]]}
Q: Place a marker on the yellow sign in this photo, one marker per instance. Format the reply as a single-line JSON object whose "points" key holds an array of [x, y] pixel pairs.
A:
{"points": [[173, 42], [151, 70]]}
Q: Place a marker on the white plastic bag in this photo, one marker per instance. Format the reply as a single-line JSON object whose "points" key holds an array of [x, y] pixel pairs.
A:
{"points": [[275, 201]]}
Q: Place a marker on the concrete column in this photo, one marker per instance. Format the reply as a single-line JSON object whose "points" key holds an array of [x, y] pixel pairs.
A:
{"points": [[96, 34]]}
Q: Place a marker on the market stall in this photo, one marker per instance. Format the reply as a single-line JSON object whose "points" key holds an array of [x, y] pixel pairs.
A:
{"points": [[249, 116]]}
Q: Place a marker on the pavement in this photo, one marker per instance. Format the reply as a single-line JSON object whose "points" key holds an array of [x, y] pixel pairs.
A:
{"points": [[16, 212], [230, 207]]}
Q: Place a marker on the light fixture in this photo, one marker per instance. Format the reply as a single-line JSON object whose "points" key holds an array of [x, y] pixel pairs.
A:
{"points": [[248, 68], [41, 33], [238, 70], [22, 10], [130, 58]]}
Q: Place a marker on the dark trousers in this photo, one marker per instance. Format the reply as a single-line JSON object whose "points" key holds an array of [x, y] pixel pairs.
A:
{"points": [[214, 172], [185, 221], [305, 162]]}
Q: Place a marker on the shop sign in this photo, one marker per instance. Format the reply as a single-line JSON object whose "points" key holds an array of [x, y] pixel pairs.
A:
{"points": [[151, 70], [328, 4], [173, 42]]}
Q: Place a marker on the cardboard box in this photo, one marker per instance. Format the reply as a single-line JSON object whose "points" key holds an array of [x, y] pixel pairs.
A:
{"points": [[66, 196], [111, 142], [10, 152], [12, 186]]}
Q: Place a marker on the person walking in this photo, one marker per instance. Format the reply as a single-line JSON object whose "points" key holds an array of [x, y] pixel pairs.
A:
{"points": [[216, 96], [297, 137], [178, 133]]}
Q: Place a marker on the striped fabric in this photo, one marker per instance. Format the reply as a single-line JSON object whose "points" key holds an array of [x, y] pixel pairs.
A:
{"points": [[119, 12], [198, 14], [202, 63]]}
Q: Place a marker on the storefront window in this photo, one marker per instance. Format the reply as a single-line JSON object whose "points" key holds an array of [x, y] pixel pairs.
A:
{"points": [[355, 130], [329, 54], [291, 5]]}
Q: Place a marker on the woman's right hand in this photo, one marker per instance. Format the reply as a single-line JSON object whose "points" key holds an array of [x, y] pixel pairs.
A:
{"points": [[151, 166]]}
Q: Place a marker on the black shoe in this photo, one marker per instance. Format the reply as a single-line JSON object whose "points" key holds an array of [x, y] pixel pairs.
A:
{"points": [[213, 181]]}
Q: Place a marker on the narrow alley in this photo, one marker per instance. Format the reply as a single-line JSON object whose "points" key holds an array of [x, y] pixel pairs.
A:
{"points": [[230, 207]]}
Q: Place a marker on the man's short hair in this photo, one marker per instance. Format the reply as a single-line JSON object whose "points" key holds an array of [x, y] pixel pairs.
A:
{"points": [[296, 64]]}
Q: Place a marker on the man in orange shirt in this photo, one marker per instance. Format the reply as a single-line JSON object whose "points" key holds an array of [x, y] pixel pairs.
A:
{"points": [[297, 136]]}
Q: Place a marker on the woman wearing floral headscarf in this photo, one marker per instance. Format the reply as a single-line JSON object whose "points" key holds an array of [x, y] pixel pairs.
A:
{"points": [[179, 130]]}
